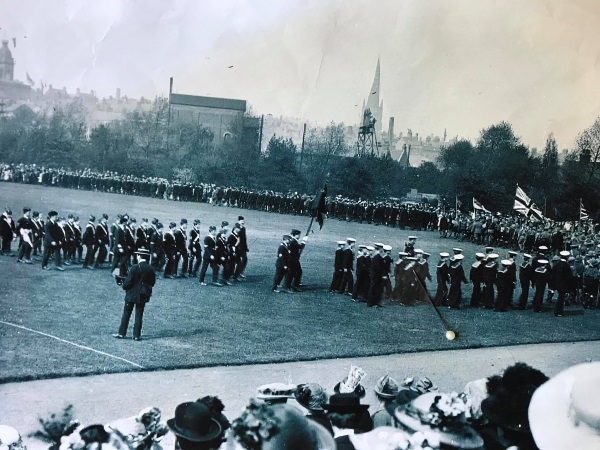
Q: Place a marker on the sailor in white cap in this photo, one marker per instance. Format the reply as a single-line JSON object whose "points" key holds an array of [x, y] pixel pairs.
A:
{"points": [[363, 262], [526, 275], [338, 269], [476, 277], [442, 274], [457, 277], [399, 276], [505, 286], [347, 283], [376, 272], [561, 279], [388, 260], [541, 277], [409, 247], [489, 280]]}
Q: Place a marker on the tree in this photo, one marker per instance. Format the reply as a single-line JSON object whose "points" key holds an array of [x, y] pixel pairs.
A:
{"points": [[588, 147]]}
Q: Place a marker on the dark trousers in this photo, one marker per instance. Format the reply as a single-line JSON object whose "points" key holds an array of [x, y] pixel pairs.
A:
{"points": [[51, 251], [375, 291], [279, 274], [184, 260], [293, 276], [524, 296], [102, 252], [24, 251], [6, 241], [242, 263], [336, 280], [214, 267], [89, 255], [37, 246], [117, 260], [194, 264], [361, 287], [347, 283], [441, 294], [137, 324], [171, 266], [538, 298], [488, 295], [476, 295], [559, 308], [228, 268]]}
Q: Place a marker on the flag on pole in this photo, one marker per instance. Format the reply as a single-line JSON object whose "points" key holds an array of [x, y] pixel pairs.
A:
{"points": [[583, 215], [14, 42], [525, 206], [30, 80], [477, 206], [320, 212]]}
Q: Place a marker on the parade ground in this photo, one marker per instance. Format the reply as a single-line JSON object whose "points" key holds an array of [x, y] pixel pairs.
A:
{"points": [[57, 324]]}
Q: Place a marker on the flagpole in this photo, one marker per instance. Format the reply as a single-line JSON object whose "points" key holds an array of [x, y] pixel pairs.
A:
{"points": [[580, 203]]}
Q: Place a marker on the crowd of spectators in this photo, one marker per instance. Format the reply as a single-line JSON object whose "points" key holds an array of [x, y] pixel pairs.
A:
{"points": [[518, 409]]}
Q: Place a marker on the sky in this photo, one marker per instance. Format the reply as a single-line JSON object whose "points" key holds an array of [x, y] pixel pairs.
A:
{"points": [[459, 65]]}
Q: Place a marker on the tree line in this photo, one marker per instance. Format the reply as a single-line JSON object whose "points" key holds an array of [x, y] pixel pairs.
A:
{"points": [[148, 143]]}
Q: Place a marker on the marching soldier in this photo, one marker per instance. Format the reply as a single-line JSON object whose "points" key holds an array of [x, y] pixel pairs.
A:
{"points": [[560, 278], [347, 283], [512, 270], [282, 262], [170, 249], [377, 271], [526, 273], [505, 286], [119, 245], [541, 276], [233, 244], [338, 269], [102, 241], [361, 286], [442, 272], [7, 232], [223, 253], [388, 261], [242, 248], [209, 257], [457, 277], [78, 251], [89, 240], [38, 234], [157, 252], [422, 268], [294, 274], [24, 229], [476, 277], [399, 276], [130, 237], [195, 249], [53, 238], [142, 237], [182, 253], [489, 279]]}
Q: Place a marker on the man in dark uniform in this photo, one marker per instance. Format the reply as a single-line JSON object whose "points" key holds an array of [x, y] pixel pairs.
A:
{"points": [[282, 262], [442, 274], [294, 274], [38, 235], [512, 270], [78, 252], [53, 237], [138, 286], [69, 248], [102, 241], [195, 249], [505, 286], [119, 244], [170, 249], [361, 287], [561, 280], [89, 240], [209, 257], [526, 272], [489, 279], [223, 253], [377, 271], [540, 277], [7, 232], [457, 277], [338, 269], [347, 284], [182, 252], [142, 237], [243, 249], [233, 245], [157, 252], [388, 261], [24, 230], [476, 277]]}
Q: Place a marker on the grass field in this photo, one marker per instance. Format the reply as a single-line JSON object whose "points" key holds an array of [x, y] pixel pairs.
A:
{"points": [[186, 325]]}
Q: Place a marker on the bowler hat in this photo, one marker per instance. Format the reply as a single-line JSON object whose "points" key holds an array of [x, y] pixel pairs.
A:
{"points": [[193, 422], [345, 404]]}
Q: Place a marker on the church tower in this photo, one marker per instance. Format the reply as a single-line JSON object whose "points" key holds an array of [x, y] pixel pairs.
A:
{"points": [[7, 63], [374, 103]]}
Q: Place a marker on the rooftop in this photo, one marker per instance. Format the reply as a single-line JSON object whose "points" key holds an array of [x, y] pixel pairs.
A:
{"points": [[208, 102]]}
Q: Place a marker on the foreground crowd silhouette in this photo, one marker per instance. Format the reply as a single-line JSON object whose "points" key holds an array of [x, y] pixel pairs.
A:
{"points": [[518, 409]]}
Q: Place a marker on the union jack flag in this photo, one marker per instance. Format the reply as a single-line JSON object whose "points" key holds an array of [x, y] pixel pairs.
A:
{"points": [[525, 205]]}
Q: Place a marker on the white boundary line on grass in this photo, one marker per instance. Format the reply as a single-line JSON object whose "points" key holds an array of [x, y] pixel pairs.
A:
{"points": [[72, 343]]}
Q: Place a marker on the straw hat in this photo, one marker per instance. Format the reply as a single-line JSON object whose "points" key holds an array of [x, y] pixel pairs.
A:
{"points": [[564, 413]]}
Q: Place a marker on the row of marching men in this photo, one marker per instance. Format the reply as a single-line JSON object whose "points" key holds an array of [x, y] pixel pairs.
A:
{"points": [[494, 281]]}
